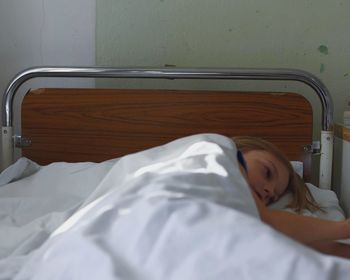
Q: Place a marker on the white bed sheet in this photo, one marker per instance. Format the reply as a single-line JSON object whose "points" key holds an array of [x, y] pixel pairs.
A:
{"points": [[35, 200], [180, 211]]}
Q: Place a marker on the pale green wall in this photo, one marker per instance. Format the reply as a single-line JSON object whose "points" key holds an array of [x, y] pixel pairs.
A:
{"points": [[309, 35]]}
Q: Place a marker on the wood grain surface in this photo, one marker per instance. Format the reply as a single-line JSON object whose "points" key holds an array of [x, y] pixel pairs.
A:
{"points": [[98, 124]]}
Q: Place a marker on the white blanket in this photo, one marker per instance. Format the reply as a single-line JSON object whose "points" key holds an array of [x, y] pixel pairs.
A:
{"points": [[35, 200], [180, 211]]}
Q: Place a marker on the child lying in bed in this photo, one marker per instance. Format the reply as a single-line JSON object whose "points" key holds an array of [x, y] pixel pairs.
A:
{"points": [[270, 175], [184, 211]]}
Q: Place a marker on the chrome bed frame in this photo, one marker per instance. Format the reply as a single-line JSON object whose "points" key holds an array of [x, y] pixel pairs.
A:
{"points": [[326, 138]]}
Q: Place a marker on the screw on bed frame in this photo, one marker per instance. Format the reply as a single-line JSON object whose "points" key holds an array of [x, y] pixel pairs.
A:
{"points": [[21, 142]]}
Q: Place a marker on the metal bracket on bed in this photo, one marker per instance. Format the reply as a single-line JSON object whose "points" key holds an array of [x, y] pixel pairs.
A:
{"points": [[320, 89], [21, 142], [313, 148]]}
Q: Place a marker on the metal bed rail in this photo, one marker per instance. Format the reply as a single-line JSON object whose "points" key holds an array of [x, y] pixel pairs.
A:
{"points": [[175, 73]]}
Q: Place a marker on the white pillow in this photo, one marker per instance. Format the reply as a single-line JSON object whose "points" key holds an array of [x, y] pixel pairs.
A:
{"points": [[327, 199], [298, 167]]}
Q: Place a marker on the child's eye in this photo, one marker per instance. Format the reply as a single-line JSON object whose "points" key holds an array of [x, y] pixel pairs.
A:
{"points": [[268, 173]]}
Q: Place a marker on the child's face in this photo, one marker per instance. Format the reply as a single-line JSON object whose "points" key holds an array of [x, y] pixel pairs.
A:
{"points": [[267, 176]]}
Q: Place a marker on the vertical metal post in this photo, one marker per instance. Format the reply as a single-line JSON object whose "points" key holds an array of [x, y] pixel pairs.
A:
{"points": [[7, 147], [326, 160]]}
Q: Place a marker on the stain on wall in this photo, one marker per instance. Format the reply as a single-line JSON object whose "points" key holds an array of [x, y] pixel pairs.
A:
{"points": [[323, 49], [322, 68]]}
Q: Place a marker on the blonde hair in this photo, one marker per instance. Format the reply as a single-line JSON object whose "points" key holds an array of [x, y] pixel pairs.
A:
{"points": [[301, 196]]}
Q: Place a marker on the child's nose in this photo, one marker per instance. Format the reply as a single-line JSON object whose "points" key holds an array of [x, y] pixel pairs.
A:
{"points": [[269, 192]]}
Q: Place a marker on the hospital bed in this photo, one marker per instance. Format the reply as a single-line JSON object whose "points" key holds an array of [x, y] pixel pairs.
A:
{"points": [[72, 139]]}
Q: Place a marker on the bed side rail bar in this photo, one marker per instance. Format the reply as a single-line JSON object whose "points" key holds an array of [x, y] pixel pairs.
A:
{"points": [[170, 73]]}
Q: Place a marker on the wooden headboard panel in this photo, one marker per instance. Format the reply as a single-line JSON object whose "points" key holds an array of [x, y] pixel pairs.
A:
{"points": [[98, 124]]}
